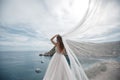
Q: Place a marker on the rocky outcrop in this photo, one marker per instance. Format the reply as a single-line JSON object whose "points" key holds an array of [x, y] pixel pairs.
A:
{"points": [[49, 53]]}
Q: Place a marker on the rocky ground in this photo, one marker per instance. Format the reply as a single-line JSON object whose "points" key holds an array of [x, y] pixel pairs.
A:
{"points": [[108, 70]]}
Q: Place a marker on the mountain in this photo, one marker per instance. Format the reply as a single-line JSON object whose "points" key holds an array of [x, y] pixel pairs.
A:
{"points": [[106, 49]]}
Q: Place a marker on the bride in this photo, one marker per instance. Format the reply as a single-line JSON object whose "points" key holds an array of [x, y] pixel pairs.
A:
{"points": [[58, 68]]}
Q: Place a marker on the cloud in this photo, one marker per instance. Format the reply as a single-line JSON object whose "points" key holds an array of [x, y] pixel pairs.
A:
{"points": [[32, 22], [29, 24]]}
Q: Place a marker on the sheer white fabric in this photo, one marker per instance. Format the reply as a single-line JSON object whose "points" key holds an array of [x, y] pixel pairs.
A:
{"points": [[88, 36], [76, 67], [100, 23], [98, 33]]}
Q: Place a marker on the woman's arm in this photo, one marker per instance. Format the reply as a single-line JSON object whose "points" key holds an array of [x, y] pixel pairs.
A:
{"points": [[52, 40]]}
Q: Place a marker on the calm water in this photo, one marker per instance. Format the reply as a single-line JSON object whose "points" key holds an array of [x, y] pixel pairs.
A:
{"points": [[22, 65]]}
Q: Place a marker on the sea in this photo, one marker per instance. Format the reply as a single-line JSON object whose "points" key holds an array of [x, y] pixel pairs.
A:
{"points": [[22, 65]]}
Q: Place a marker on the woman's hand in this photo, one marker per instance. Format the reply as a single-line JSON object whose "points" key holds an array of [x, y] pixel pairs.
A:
{"points": [[56, 35]]}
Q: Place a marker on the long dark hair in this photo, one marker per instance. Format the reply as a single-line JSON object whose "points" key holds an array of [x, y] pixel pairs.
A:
{"points": [[61, 45]]}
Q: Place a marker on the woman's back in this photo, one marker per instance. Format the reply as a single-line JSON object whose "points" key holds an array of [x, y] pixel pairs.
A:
{"points": [[57, 49]]}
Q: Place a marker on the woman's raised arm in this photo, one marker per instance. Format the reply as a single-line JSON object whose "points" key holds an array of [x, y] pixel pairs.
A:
{"points": [[52, 39]]}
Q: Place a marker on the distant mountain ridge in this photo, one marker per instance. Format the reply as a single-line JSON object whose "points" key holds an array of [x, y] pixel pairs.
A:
{"points": [[92, 49], [96, 49]]}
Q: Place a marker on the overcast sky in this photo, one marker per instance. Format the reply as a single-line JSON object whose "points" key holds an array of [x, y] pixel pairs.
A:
{"points": [[29, 24]]}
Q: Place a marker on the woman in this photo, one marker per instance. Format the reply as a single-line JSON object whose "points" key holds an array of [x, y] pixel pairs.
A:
{"points": [[58, 68]]}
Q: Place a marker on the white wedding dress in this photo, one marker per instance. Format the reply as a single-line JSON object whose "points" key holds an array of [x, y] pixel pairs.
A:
{"points": [[58, 68]]}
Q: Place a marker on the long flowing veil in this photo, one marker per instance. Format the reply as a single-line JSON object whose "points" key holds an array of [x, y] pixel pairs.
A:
{"points": [[80, 42], [75, 65]]}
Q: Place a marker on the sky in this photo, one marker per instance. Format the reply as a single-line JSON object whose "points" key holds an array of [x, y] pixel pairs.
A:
{"points": [[29, 24]]}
